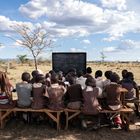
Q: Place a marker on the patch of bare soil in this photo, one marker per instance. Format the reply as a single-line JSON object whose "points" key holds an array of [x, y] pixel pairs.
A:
{"points": [[18, 130]]}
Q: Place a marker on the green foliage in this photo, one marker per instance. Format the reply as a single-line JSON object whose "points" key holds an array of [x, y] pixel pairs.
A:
{"points": [[22, 58]]}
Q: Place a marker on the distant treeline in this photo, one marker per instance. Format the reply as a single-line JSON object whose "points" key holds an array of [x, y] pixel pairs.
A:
{"points": [[47, 60]]}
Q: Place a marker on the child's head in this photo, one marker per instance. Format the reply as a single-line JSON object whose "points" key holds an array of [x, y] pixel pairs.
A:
{"points": [[98, 73], [80, 73], [60, 75], [52, 72], [129, 75], [90, 82], [72, 72], [115, 77], [25, 77], [40, 78], [108, 74], [89, 70], [35, 73], [124, 72], [54, 78], [72, 80]]}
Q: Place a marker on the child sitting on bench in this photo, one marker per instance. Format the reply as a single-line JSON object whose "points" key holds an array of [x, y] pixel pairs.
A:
{"points": [[113, 94]]}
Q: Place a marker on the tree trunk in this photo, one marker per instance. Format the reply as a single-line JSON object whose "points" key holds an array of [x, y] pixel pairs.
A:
{"points": [[35, 62]]}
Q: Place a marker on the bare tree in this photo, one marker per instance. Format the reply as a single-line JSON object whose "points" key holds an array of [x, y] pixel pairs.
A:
{"points": [[102, 56], [35, 40]]}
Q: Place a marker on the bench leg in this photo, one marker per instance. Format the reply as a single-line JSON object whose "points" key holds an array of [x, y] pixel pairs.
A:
{"points": [[2, 121], [0, 118], [58, 121], [69, 117], [126, 120], [67, 121], [2, 124], [55, 118]]}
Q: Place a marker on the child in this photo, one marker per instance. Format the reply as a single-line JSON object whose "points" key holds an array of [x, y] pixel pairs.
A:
{"points": [[88, 72], [5, 91], [55, 94], [73, 97], [99, 79], [24, 89], [107, 75], [131, 86], [38, 91], [91, 105], [133, 90], [113, 93]]}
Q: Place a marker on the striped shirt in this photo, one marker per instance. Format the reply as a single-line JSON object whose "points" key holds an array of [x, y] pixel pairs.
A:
{"points": [[3, 98]]}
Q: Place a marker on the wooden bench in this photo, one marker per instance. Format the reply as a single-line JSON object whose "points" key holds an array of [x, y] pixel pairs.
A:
{"points": [[124, 113], [125, 102], [133, 101], [4, 113], [54, 115], [70, 114]]}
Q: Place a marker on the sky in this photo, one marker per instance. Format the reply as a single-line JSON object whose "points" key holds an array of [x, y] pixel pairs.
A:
{"points": [[111, 27]]}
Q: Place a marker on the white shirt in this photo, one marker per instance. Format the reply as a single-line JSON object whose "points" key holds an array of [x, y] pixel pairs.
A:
{"points": [[81, 80], [100, 82], [89, 88]]}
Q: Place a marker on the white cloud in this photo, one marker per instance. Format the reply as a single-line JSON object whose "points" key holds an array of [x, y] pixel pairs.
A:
{"points": [[129, 44], [17, 43], [119, 4], [73, 49], [76, 50], [110, 49], [54, 40], [63, 12], [71, 17], [38, 6], [125, 45], [86, 41], [6, 24], [121, 23], [1, 46]]}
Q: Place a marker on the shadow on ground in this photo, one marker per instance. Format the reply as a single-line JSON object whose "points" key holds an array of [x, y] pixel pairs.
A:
{"points": [[17, 130]]}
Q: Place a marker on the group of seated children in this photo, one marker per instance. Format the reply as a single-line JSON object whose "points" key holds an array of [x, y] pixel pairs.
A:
{"points": [[75, 90]]}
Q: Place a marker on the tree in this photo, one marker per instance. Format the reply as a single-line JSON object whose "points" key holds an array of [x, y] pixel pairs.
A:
{"points": [[36, 40], [102, 56], [22, 58]]}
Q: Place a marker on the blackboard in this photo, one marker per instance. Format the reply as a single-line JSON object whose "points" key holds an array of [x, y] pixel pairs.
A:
{"points": [[65, 61]]}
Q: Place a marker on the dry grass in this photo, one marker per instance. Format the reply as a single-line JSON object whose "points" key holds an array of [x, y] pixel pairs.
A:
{"points": [[15, 71]]}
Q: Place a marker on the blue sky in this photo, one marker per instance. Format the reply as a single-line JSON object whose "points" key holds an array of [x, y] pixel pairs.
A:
{"points": [[92, 26]]}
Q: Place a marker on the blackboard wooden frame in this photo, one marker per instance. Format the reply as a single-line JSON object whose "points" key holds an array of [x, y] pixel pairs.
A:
{"points": [[63, 61]]}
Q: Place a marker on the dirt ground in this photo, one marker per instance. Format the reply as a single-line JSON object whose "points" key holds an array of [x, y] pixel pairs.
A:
{"points": [[17, 130]]}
